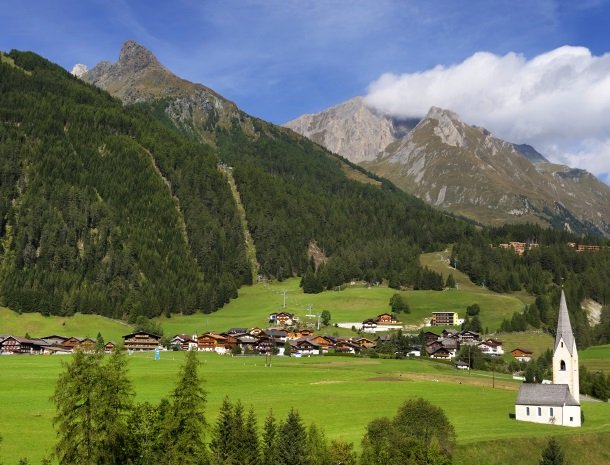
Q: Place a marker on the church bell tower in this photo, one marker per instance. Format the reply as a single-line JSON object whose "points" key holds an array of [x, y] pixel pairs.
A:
{"points": [[565, 356]]}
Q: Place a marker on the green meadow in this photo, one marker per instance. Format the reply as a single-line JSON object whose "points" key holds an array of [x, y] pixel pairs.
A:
{"points": [[353, 304], [340, 394], [37, 325], [596, 358]]}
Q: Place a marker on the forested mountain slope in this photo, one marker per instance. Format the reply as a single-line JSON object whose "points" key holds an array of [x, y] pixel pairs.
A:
{"points": [[102, 208], [293, 191], [109, 209]]}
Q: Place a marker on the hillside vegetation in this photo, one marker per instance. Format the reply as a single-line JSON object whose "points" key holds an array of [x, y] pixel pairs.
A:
{"points": [[109, 209]]}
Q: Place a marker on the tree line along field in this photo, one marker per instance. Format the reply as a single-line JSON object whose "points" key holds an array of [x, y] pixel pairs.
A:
{"points": [[339, 394]]}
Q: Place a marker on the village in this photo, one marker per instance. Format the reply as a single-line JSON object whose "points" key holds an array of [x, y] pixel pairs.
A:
{"points": [[285, 336]]}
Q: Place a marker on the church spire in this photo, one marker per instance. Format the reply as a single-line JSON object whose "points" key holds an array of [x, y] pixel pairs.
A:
{"points": [[564, 328]]}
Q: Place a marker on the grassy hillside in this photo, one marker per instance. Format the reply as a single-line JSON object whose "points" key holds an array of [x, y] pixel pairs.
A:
{"points": [[353, 304], [78, 325], [596, 358], [340, 394]]}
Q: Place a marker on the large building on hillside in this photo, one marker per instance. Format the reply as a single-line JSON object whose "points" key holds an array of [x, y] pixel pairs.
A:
{"points": [[557, 403]]}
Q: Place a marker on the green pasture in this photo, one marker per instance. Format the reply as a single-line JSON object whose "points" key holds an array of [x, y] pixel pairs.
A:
{"points": [[37, 325], [340, 394], [353, 304], [596, 358], [537, 342]]}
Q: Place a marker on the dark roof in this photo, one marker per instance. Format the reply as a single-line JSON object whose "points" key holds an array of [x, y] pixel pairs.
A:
{"points": [[564, 328], [545, 394], [237, 331], [133, 334]]}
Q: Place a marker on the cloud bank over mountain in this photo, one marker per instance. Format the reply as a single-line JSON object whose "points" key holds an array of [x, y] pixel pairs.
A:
{"points": [[558, 101]]}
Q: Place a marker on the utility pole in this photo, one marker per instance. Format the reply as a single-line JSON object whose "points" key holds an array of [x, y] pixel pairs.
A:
{"points": [[284, 305]]}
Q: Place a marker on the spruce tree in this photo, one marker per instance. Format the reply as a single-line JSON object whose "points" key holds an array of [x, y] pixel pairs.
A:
{"points": [[292, 439], [317, 446], [552, 454], [250, 453], [222, 434], [182, 437], [269, 445]]}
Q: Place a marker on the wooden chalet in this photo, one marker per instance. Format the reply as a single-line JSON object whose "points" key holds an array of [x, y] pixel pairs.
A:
{"points": [[82, 343], [109, 347], [22, 345], [256, 331], [305, 347], [324, 342], [437, 351], [346, 347], [283, 319], [212, 342], [491, 347], [386, 319], [141, 340], [246, 342], [429, 336], [364, 343], [184, 341], [279, 336], [522, 355]]}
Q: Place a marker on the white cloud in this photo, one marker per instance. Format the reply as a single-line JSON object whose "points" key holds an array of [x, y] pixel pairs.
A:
{"points": [[558, 101]]}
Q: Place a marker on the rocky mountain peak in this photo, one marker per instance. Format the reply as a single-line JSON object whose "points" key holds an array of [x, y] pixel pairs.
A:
{"points": [[134, 57], [448, 127], [442, 114], [79, 70]]}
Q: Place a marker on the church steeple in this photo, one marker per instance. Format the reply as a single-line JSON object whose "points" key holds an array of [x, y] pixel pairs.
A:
{"points": [[564, 328], [565, 355]]}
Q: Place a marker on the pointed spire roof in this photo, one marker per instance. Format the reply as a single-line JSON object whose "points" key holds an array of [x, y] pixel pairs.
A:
{"points": [[564, 328]]}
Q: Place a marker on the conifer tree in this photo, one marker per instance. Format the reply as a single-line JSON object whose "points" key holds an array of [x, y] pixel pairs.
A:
{"points": [[269, 447], [250, 453], [222, 434], [552, 454], [291, 443], [92, 400], [317, 446], [182, 437]]}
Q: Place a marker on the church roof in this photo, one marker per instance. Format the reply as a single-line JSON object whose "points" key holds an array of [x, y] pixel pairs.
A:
{"points": [[545, 394], [564, 328]]}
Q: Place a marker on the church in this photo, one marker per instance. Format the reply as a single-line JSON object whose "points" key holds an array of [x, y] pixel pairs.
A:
{"points": [[557, 403]]}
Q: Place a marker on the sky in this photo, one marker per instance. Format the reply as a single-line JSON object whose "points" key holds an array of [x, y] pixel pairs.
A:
{"points": [[531, 71]]}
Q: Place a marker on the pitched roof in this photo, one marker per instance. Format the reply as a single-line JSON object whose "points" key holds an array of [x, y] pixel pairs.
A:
{"points": [[564, 328], [545, 394]]}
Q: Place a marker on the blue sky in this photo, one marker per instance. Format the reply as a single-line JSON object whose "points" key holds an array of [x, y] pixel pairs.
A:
{"points": [[278, 59]]}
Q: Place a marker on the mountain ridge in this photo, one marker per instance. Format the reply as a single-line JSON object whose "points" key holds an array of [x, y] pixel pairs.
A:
{"points": [[470, 172]]}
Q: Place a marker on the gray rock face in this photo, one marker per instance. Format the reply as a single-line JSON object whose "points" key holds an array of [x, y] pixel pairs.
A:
{"points": [[351, 129], [461, 168], [138, 76]]}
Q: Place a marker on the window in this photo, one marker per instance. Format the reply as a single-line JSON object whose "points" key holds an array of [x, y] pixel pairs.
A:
{"points": [[551, 411], [571, 418], [539, 411], [561, 343], [527, 411], [562, 366]]}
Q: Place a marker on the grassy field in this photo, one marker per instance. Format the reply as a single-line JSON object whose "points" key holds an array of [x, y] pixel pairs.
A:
{"points": [[537, 342], [596, 358], [37, 325], [353, 304], [341, 394]]}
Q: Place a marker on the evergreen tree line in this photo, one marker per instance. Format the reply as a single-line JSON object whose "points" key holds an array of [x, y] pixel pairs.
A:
{"points": [[97, 422], [542, 271]]}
